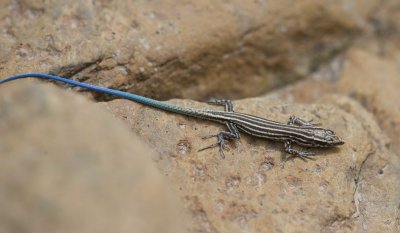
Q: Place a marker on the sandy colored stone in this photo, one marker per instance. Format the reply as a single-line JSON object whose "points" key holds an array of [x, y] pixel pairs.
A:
{"points": [[169, 49], [377, 195], [67, 166], [197, 49], [253, 190], [371, 80]]}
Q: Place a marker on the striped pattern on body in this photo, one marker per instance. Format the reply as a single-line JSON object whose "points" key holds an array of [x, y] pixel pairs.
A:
{"points": [[308, 136]]}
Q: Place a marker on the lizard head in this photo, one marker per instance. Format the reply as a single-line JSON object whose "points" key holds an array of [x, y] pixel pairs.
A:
{"points": [[326, 138]]}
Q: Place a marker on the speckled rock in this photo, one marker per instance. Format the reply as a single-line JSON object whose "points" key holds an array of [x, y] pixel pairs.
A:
{"points": [[67, 166], [370, 79], [377, 196], [254, 190], [169, 49]]}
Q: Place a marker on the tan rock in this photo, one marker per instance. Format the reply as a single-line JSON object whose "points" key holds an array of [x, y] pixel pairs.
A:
{"points": [[195, 49], [252, 190], [377, 196], [67, 166], [371, 80]]}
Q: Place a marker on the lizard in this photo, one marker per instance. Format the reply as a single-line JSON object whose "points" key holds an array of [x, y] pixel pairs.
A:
{"points": [[295, 131]]}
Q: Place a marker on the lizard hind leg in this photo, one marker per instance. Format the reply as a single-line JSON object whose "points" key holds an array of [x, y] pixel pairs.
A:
{"points": [[233, 133], [226, 103]]}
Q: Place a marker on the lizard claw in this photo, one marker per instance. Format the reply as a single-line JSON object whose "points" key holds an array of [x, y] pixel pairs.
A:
{"points": [[310, 123], [305, 155], [220, 143]]}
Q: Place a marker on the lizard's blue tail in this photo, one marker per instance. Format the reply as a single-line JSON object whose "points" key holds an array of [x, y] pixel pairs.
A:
{"points": [[137, 98]]}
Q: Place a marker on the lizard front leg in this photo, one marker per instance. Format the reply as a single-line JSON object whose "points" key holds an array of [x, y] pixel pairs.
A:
{"points": [[293, 120], [301, 154]]}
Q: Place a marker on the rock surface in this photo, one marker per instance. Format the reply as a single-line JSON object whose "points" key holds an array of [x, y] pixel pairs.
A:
{"points": [[191, 49], [67, 166], [253, 189], [364, 76]]}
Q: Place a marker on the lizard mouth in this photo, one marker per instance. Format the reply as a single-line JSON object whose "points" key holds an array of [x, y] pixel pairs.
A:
{"points": [[338, 141]]}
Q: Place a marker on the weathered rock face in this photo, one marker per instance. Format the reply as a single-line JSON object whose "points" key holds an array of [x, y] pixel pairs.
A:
{"points": [[67, 166], [254, 190], [192, 49], [371, 80]]}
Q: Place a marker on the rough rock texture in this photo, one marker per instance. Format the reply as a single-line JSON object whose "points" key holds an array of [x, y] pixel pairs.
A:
{"points": [[196, 49], [372, 80], [377, 196], [349, 51], [253, 190], [66, 166]]}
